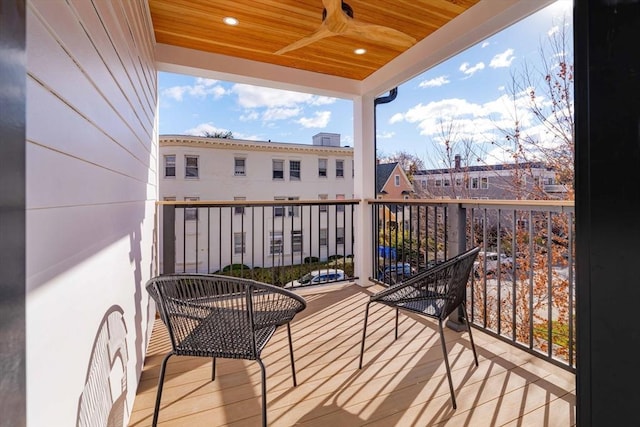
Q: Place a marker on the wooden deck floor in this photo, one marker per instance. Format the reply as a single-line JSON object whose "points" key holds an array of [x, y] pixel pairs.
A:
{"points": [[402, 383]]}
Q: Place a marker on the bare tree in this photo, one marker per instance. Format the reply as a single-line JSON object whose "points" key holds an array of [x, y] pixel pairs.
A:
{"points": [[219, 134], [410, 163], [547, 90]]}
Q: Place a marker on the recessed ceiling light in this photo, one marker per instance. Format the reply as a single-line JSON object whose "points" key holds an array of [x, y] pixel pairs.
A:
{"points": [[360, 51], [230, 20]]}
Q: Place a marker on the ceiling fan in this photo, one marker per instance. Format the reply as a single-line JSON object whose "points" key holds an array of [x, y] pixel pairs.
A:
{"points": [[337, 20]]}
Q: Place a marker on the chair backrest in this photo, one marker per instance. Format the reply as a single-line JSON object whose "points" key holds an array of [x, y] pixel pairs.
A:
{"points": [[446, 281], [239, 306], [457, 271]]}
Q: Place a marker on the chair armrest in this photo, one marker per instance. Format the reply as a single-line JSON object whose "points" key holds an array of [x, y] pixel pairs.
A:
{"points": [[273, 305]]}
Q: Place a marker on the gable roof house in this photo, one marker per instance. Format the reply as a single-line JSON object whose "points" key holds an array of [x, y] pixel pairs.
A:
{"points": [[392, 182], [80, 170]]}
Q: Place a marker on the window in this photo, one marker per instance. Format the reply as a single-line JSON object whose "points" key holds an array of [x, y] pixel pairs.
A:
{"points": [[484, 183], [296, 241], [278, 169], [294, 170], [170, 166], [340, 236], [322, 168], [276, 244], [438, 183], [191, 166], [424, 184], [239, 210], [239, 168], [191, 214], [458, 182], [293, 210], [475, 183], [239, 243], [447, 183], [278, 210], [339, 168], [339, 208], [323, 237], [323, 208], [397, 180]]}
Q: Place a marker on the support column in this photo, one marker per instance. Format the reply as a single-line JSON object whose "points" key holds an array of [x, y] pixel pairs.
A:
{"points": [[456, 244], [607, 143], [13, 393], [364, 184]]}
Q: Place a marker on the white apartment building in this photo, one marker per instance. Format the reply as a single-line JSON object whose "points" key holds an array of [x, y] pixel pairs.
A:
{"points": [[218, 169]]}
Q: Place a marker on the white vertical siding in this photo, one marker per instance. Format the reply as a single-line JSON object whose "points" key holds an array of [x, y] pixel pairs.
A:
{"points": [[91, 192]]}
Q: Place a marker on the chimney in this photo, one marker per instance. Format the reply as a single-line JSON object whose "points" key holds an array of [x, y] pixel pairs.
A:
{"points": [[457, 161]]}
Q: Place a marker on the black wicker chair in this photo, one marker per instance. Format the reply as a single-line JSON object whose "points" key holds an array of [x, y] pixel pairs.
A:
{"points": [[220, 316], [435, 293]]}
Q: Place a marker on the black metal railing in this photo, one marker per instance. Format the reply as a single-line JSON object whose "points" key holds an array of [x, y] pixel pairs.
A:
{"points": [[522, 289], [523, 286], [408, 236], [283, 242]]}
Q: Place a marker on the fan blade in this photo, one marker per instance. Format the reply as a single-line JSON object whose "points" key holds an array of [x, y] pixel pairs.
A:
{"points": [[319, 34], [379, 33]]}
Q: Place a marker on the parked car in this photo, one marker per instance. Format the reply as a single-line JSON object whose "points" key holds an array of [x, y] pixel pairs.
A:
{"points": [[395, 272], [318, 277], [491, 266]]}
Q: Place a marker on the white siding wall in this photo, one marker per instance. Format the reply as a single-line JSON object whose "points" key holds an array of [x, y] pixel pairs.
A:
{"points": [[91, 188]]}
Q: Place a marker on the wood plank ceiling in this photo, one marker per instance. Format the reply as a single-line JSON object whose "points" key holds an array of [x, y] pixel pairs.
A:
{"points": [[266, 26]]}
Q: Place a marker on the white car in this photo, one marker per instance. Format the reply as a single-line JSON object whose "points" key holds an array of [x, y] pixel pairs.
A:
{"points": [[318, 277], [492, 262]]}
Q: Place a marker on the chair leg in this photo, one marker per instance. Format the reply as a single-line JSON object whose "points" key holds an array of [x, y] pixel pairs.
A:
{"points": [[213, 369], [264, 392], [466, 319], [163, 368], [446, 364], [364, 333], [293, 365], [397, 315]]}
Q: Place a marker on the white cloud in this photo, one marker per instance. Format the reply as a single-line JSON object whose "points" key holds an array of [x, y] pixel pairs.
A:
{"points": [[320, 119], [396, 118], [485, 44], [463, 120], [201, 89], [502, 60], [205, 82], [470, 71], [385, 135], [262, 97], [203, 128], [322, 100], [175, 92], [436, 82], [249, 115], [280, 113]]}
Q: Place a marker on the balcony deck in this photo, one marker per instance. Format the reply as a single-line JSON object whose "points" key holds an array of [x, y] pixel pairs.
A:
{"points": [[402, 382]]}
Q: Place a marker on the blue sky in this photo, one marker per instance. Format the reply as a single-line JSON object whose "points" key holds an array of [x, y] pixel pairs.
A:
{"points": [[469, 90]]}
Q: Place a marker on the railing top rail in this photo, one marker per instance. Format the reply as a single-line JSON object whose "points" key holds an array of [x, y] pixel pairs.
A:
{"points": [[249, 203], [552, 205]]}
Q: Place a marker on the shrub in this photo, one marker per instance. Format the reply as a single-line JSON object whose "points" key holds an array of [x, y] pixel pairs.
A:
{"points": [[233, 267]]}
